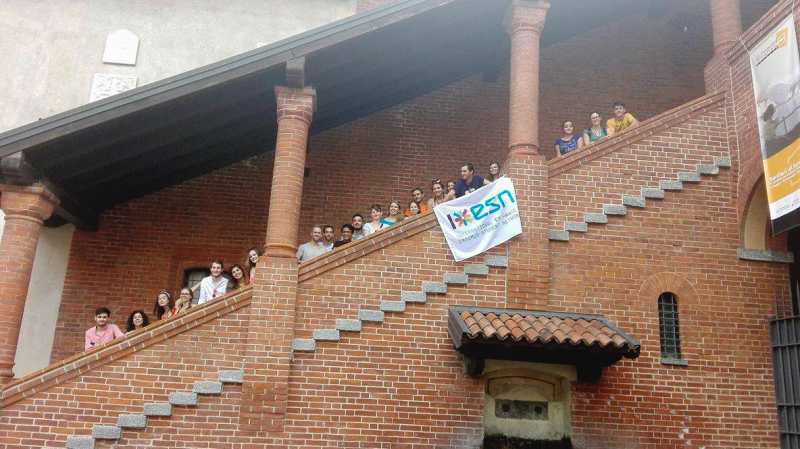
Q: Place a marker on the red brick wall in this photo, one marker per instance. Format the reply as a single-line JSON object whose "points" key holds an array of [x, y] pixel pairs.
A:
{"points": [[101, 394], [724, 331]]}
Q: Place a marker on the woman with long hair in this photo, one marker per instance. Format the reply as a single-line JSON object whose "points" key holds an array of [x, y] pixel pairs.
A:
{"points": [[395, 214], [377, 220], [184, 301], [438, 194], [164, 306], [252, 259], [494, 171], [137, 320], [413, 209], [238, 277]]}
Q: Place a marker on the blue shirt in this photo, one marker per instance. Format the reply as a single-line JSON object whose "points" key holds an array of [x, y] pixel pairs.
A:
{"points": [[565, 146], [461, 188]]}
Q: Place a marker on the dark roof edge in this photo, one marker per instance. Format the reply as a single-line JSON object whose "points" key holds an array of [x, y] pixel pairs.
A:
{"points": [[212, 74]]}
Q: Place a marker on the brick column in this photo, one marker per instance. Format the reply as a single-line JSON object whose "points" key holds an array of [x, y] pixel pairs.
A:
{"points": [[529, 258], [271, 324], [26, 208], [726, 22], [295, 111]]}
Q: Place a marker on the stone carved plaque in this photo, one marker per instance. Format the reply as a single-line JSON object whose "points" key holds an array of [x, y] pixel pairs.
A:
{"points": [[105, 85], [121, 48]]}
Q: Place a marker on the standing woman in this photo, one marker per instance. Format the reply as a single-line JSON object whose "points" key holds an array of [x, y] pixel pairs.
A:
{"points": [[184, 301], [137, 320], [494, 171], [252, 259], [164, 307], [377, 220], [238, 277], [395, 214], [569, 141], [596, 131], [438, 194]]}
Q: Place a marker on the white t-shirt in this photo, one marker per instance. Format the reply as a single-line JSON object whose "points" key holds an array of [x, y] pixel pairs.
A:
{"points": [[368, 229], [207, 290]]}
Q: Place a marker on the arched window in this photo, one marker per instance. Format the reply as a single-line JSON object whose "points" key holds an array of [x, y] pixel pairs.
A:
{"points": [[668, 329]]}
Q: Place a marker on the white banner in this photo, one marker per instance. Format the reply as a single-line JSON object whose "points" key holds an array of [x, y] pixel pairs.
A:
{"points": [[775, 67], [480, 220]]}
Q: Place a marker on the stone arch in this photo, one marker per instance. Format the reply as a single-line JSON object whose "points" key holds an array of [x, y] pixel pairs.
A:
{"points": [[660, 283]]}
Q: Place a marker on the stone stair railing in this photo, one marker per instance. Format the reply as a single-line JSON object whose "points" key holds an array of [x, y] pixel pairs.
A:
{"points": [[640, 201], [406, 297], [155, 410]]}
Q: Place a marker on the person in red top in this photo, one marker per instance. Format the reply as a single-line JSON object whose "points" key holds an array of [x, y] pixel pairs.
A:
{"points": [[102, 332], [164, 306]]}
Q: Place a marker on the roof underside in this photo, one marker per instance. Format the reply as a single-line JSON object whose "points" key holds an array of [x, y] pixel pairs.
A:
{"points": [[127, 146]]}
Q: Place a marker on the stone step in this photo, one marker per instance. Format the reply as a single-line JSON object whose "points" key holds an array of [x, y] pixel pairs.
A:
{"points": [[184, 397], [348, 325], [689, 177], [207, 387], [415, 297], [496, 261], [434, 287], [558, 236], [595, 218], [634, 201], [372, 316], [670, 184], [707, 169], [456, 279], [476, 269], [132, 421], [326, 335], [576, 226], [158, 409], [231, 377], [303, 345], [393, 306], [615, 209], [724, 162], [80, 442], [653, 194], [106, 432]]}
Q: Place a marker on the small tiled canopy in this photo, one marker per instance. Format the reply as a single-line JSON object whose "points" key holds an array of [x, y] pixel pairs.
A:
{"points": [[588, 341]]}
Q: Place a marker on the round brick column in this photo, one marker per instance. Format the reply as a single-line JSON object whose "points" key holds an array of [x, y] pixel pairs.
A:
{"points": [[295, 111], [726, 22], [524, 22], [26, 208]]}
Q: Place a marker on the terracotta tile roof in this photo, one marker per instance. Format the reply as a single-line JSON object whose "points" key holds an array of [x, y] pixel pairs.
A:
{"points": [[541, 329]]}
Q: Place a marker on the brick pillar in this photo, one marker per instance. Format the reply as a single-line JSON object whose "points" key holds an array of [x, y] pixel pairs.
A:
{"points": [[26, 208], [529, 258], [271, 322], [726, 23]]}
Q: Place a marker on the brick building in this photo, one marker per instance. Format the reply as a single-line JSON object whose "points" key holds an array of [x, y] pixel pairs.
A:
{"points": [[565, 335]]}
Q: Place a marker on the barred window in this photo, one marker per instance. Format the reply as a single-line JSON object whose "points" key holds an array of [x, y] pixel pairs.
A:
{"points": [[668, 329]]}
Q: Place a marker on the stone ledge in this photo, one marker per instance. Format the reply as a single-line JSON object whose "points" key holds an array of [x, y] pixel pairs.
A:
{"points": [[207, 387], [765, 255], [132, 421], [326, 335], [496, 261], [106, 432], [414, 297], [723, 162], [634, 201], [575, 226], [671, 185], [653, 194], [184, 397], [456, 278], [707, 169], [615, 209], [393, 306], [434, 287], [372, 316], [476, 269], [689, 177], [595, 218], [303, 345], [348, 325], [558, 236], [80, 442], [158, 409], [231, 377], [674, 362], [60, 372]]}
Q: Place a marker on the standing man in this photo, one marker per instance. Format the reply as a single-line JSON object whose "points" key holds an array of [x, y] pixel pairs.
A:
{"points": [[212, 286], [358, 227], [329, 234], [417, 195], [468, 183], [621, 120], [313, 248], [102, 332]]}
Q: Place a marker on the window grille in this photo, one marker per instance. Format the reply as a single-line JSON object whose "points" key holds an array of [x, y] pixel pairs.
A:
{"points": [[668, 329], [193, 277]]}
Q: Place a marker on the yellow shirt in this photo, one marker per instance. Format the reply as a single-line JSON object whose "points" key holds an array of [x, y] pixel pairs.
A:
{"points": [[618, 126]]}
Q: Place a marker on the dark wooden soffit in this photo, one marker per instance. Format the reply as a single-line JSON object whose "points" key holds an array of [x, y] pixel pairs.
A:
{"points": [[114, 150], [587, 341]]}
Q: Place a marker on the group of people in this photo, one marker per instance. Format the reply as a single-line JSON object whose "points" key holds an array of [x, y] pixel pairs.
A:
{"points": [[212, 286], [323, 237], [570, 141]]}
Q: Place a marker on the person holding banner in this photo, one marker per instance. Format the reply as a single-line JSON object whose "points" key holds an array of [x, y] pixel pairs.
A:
{"points": [[468, 183]]}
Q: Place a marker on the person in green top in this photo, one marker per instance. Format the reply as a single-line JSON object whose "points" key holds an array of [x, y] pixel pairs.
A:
{"points": [[596, 131]]}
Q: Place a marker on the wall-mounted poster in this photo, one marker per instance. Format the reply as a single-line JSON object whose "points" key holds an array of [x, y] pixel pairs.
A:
{"points": [[775, 67]]}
